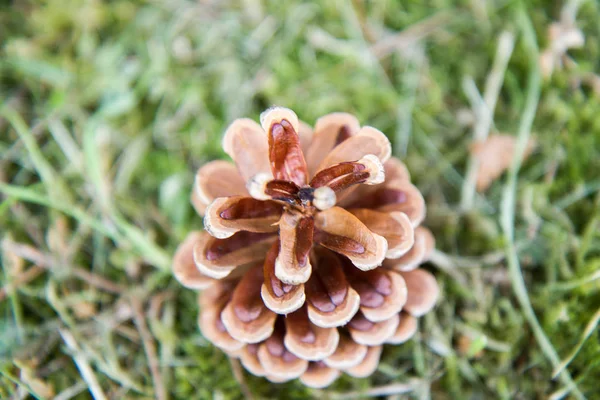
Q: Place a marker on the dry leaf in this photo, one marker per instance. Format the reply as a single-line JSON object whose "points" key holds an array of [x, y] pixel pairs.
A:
{"points": [[562, 36], [494, 156]]}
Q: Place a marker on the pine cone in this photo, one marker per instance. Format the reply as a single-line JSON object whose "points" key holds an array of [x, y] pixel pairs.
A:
{"points": [[311, 249]]}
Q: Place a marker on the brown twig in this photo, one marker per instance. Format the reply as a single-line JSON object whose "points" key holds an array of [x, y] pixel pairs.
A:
{"points": [[238, 374], [46, 261], [361, 14], [156, 303], [97, 281], [410, 36], [149, 348]]}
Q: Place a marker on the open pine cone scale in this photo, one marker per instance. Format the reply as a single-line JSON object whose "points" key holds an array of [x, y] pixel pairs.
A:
{"points": [[295, 233]]}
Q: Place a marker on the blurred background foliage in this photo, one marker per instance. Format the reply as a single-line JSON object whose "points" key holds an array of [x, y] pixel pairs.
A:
{"points": [[108, 108]]}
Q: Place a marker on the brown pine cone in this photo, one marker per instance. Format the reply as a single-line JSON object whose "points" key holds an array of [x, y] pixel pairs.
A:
{"points": [[311, 249]]}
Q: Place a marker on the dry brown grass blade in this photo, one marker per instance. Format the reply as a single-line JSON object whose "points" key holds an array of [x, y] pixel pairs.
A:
{"points": [[149, 348], [47, 262], [238, 373], [21, 279]]}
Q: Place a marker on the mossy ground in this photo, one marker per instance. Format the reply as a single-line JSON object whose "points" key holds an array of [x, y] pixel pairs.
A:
{"points": [[108, 108]]}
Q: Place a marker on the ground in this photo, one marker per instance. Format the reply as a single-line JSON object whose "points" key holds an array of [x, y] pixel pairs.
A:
{"points": [[108, 108]]}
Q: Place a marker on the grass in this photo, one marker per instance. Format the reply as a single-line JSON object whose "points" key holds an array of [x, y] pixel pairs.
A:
{"points": [[108, 108]]}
